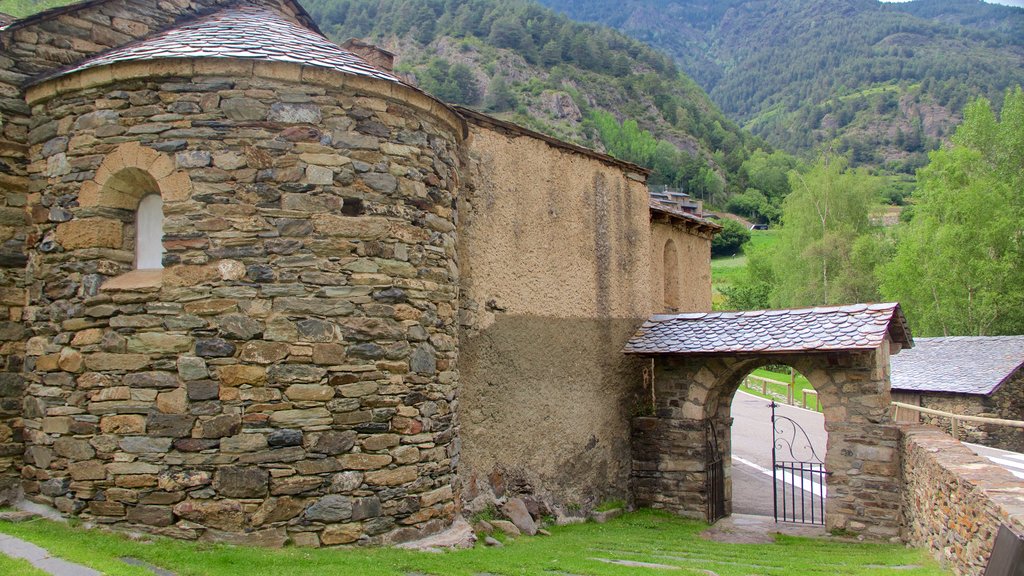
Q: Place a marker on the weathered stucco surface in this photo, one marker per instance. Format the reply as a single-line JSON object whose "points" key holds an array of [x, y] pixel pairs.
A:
{"points": [[693, 255], [555, 250]]}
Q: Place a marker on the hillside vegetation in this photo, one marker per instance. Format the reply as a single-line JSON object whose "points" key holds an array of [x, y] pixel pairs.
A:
{"points": [[883, 82], [580, 82]]}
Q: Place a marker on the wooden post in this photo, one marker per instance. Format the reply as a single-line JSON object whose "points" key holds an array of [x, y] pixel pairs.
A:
{"points": [[791, 393], [953, 428]]}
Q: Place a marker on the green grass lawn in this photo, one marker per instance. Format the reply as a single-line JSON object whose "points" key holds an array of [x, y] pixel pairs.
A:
{"points": [[18, 567], [729, 270], [583, 550]]}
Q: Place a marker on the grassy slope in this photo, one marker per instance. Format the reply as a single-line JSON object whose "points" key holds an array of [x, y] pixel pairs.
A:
{"points": [[728, 270], [17, 567], [778, 392], [644, 536]]}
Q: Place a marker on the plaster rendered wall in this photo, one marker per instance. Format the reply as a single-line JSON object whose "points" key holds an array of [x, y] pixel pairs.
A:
{"points": [[694, 265], [954, 500], [290, 375], [555, 250]]}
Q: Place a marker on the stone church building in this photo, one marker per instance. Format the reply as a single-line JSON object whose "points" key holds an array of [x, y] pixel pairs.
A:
{"points": [[258, 289]]}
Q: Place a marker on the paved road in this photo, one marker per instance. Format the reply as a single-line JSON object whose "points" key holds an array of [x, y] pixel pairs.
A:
{"points": [[752, 445]]}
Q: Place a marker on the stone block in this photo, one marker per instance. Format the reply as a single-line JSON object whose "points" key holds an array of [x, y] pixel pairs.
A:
{"points": [[220, 426], [159, 343], [176, 480], [173, 402], [285, 437], [90, 233], [123, 424], [106, 508], [151, 380], [292, 485], [144, 445], [392, 477], [264, 352], [334, 442], [203, 390], [243, 443], [240, 374], [170, 425], [365, 461], [192, 368], [87, 470], [301, 418], [309, 392], [220, 514], [341, 534], [242, 482], [356, 227], [329, 509], [274, 510], [381, 442], [150, 515], [73, 448]]}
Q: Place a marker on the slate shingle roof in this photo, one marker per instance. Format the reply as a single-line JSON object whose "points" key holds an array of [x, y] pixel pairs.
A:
{"points": [[854, 327], [958, 364], [246, 32]]}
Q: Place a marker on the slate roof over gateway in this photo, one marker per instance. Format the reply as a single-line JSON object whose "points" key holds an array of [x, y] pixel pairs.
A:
{"points": [[245, 32], [836, 328], [958, 364]]}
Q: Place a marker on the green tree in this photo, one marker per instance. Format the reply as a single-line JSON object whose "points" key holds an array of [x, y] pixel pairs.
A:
{"points": [[959, 264], [821, 221], [499, 96], [730, 240]]}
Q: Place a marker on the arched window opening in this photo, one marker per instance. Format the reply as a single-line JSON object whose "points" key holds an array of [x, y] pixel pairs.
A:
{"points": [[149, 233], [670, 269]]}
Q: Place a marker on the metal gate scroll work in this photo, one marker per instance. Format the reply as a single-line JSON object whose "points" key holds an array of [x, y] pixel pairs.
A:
{"points": [[799, 473]]}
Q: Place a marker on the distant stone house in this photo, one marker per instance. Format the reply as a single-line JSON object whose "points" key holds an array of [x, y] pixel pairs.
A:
{"points": [[976, 376], [254, 287]]}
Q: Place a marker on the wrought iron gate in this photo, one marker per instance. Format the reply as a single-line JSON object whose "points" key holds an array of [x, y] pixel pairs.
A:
{"points": [[798, 484], [715, 479]]}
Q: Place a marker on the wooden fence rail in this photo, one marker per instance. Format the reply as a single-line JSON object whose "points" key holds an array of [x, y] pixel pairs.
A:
{"points": [[954, 419], [790, 390]]}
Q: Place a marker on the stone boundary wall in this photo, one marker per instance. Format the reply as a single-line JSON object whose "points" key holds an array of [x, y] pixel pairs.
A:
{"points": [[954, 500]]}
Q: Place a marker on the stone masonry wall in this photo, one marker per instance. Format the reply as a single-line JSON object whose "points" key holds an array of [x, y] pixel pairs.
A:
{"points": [[954, 500], [27, 51], [291, 373], [1007, 402]]}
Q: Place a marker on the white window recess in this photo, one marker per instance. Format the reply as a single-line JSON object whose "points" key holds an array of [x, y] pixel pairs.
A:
{"points": [[149, 233]]}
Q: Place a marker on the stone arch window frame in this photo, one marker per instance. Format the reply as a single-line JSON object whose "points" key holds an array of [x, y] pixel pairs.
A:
{"points": [[671, 276], [107, 190]]}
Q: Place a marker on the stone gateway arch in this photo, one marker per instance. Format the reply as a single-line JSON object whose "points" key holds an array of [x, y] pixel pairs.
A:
{"points": [[699, 361]]}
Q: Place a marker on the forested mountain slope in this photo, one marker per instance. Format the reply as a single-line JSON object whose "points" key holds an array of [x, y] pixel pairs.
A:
{"points": [[884, 81], [524, 62], [584, 83]]}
